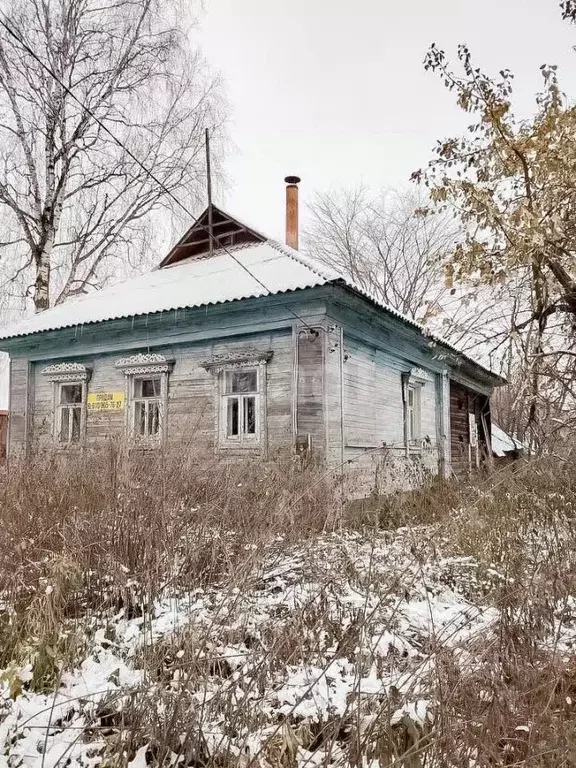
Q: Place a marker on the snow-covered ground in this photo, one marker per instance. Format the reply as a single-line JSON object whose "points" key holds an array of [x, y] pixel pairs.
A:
{"points": [[342, 632]]}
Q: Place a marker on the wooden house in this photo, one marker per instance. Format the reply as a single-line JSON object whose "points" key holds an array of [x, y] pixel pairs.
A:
{"points": [[243, 346]]}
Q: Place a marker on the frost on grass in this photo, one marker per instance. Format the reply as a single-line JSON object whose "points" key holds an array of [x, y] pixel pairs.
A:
{"points": [[313, 636], [319, 654]]}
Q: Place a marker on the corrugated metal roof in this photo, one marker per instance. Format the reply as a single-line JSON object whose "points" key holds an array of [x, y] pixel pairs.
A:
{"points": [[252, 270], [190, 283], [503, 443]]}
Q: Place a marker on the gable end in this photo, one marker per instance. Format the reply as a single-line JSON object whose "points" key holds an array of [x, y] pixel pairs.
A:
{"points": [[227, 232]]}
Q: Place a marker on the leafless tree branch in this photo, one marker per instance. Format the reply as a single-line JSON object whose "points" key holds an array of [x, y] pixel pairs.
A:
{"points": [[77, 208]]}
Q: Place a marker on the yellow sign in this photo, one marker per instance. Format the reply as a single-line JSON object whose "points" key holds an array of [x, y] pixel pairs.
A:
{"points": [[106, 401]]}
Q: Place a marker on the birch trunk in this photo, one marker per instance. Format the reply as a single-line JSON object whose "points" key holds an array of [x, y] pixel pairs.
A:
{"points": [[42, 282]]}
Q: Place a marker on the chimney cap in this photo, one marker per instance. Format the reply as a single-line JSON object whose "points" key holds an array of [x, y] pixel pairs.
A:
{"points": [[292, 179]]}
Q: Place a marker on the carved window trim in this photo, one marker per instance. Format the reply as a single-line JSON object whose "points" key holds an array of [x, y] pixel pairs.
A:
{"points": [[137, 368], [73, 373], [219, 367], [420, 376], [227, 362], [61, 375], [414, 413]]}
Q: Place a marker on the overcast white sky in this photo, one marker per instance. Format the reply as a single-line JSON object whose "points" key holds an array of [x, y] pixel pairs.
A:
{"points": [[336, 93]]}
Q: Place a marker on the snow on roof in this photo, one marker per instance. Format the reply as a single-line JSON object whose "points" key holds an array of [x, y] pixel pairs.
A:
{"points": [[502, 443], [237, 272], [189, 283]]}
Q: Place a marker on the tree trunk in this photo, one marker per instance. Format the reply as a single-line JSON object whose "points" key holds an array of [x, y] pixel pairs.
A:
{"points": [[67, 188], [42, 283]]}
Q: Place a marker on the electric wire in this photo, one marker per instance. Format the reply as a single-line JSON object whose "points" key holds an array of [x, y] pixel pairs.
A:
{"points": [[152, 175]]}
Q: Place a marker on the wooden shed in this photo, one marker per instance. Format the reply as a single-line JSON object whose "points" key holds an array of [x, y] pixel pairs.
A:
{"points": [[470, 428]]}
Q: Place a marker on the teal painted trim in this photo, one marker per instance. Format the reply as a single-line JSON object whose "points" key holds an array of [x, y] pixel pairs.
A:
{"points": [[177, 326], [403, 358], [385, 334], [384, 353], [359, 318], [110, 356]]}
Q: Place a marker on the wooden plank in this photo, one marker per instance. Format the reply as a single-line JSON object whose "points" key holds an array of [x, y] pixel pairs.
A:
{"points": [[310, 389], [19, 407], [334, 385]]}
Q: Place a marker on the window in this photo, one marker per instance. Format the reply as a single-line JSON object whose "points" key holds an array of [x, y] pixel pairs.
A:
{"points": [[240, 404], [70, 413], [240, 396], [147, 404], [147, 395], [70, 382], [413, 413], [413, 382]]}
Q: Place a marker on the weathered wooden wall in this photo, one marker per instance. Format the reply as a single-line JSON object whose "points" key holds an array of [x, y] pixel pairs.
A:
{"points": [[377, 348], [342, 386], [464, 401], [191, 392], [191, 336], [374, 419], [373, 406]]}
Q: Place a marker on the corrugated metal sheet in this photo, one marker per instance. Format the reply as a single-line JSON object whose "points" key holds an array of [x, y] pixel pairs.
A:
{"points": [[252, 270], [191, 283], [503, 443]]}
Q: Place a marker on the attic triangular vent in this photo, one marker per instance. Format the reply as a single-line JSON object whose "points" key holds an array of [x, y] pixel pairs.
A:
{"points": [[227, 231]]}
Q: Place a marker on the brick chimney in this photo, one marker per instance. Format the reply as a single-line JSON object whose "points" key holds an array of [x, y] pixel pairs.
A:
{"points": [[292, 211]]}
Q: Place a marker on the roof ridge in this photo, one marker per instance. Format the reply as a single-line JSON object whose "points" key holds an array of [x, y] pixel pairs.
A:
{"points": [[304, 260]]}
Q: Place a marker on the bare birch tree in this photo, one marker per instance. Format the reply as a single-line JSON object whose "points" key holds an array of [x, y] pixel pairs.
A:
{"points": [[75, 206]]}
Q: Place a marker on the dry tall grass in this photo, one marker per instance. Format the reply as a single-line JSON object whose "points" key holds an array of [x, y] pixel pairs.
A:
{"points": [[105, 529], [100, 534]]}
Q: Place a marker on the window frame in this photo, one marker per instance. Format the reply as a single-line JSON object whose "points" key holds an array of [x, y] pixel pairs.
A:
{"points": [[413, 382], [141, 367], [220, 367], [65, 375], [134, 400], [61, 408], [243, 438], [414, 414]]}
